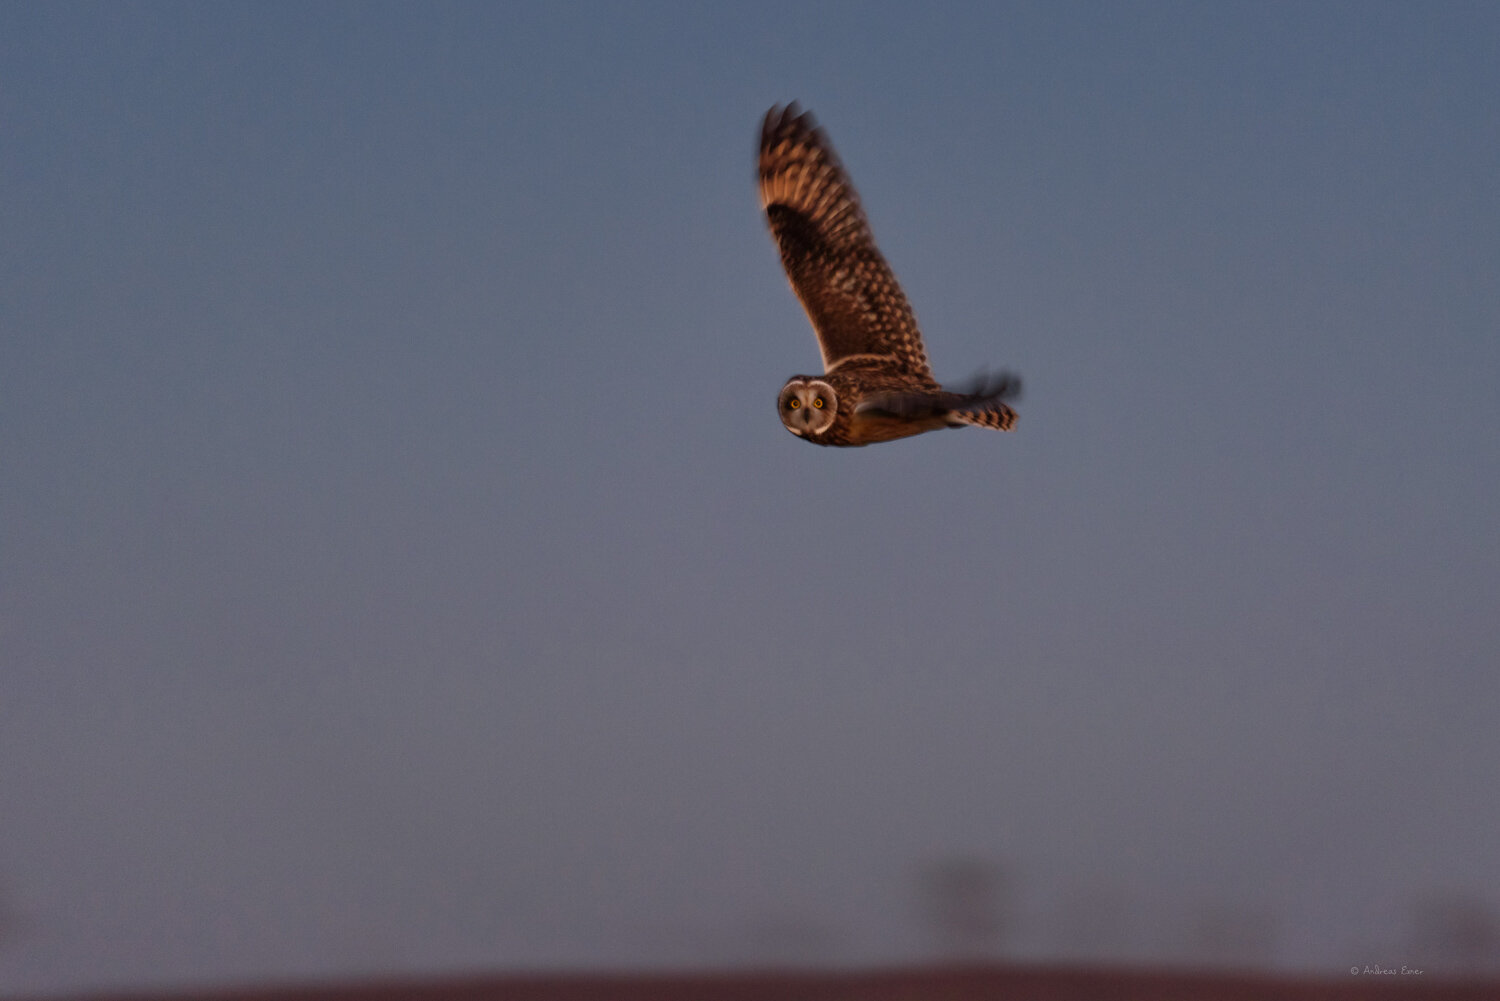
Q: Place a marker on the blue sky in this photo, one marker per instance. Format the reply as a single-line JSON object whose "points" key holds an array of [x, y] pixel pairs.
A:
{"points": [[404, 568]]}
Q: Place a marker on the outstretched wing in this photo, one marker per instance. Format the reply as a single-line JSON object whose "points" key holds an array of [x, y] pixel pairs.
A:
{"points": [[856, 307]]}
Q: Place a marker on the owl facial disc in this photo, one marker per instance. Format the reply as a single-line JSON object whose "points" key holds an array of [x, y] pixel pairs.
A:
{"points": [[807, 405]]}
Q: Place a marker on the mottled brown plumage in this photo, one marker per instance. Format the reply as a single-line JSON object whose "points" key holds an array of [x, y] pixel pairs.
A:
{"points": [[877, 385]]}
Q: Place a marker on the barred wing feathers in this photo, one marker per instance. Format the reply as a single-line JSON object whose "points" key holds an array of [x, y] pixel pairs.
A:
{"points": [[851, 296]]}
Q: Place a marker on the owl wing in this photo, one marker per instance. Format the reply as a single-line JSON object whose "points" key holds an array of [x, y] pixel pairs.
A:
{"points": [[850, 294]]}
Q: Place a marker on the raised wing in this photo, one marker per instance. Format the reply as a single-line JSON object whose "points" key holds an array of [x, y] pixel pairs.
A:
{"points": [[856, 307]]}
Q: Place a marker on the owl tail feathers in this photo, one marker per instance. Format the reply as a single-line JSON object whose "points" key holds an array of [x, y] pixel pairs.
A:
{"points": [[983, 402], [980, 402], [996, 415]]}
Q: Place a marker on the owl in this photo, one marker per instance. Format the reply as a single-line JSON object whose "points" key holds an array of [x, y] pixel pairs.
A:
{"points": [[876, 384]]}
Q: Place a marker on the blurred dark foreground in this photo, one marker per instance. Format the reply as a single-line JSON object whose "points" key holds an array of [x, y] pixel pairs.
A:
{"points": [[1003, 983]]}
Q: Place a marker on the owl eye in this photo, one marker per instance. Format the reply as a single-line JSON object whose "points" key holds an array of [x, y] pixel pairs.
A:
{"points": [[818, 402], [794, 404]]}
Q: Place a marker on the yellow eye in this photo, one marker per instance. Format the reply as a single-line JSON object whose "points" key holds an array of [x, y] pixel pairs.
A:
{"points": [[818, 402], [794, 404]]}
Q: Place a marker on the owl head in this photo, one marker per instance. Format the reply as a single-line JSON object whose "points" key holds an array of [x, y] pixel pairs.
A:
{"points": [[807, 405]]}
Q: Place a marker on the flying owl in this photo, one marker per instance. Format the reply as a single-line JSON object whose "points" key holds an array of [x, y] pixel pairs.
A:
{"points": [[876, 384]]}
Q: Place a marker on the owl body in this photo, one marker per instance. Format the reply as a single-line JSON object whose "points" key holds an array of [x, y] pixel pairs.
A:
{"points": [[852, 405], [876, 384]]}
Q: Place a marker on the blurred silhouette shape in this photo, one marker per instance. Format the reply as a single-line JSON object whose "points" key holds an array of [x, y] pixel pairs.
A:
{"points": [[1456, 933], [789, 940], [1226, 934], [965, 903], [12, 922], [1098, 921]]}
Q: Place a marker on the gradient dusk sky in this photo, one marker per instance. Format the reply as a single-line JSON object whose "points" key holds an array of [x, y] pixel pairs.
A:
{"points": [[403, 568]]}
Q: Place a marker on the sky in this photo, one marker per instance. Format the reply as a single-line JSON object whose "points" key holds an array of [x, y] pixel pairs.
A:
{"points": [[403, 569]]}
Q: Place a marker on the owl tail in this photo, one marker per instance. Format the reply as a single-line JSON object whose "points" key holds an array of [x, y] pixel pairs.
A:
{"points": [[983, 403], [980, 403], [995, 415]]}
